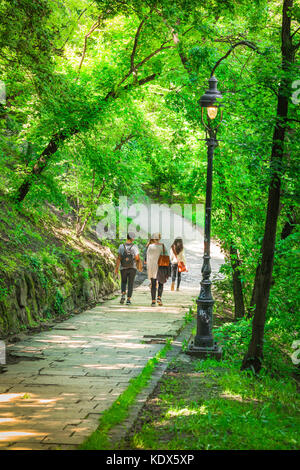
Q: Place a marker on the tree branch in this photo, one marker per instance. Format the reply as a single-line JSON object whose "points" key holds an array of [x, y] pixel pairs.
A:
{"points": [[133, 68], [80, 226], [136, 38], [123, 141], [93, 184], [95, 26], [62, 135], [182, 55], [240, 43], [295, 32], [113, 93], [101, 190], [142, 81], [42, 162], [60, 49], [296, 46], [154, 53], [175, 38], [291, 119]]}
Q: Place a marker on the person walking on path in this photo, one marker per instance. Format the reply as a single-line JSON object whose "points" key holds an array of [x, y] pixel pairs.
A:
{"points": [[145, 256], [155, 274], [128, 261], [178, 261]]}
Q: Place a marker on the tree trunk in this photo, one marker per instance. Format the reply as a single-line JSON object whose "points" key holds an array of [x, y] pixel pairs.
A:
{"points": [[289, 225], [80, 228], [58, 138], [254, 356], [254, 295], [238, 297], [239, 306], [42, 162]]}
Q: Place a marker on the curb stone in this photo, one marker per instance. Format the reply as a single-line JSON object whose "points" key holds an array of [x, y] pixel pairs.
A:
{"points": [[120, 431]]}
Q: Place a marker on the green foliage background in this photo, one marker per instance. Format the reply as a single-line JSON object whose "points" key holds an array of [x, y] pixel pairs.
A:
{"points": [[128, 104]]}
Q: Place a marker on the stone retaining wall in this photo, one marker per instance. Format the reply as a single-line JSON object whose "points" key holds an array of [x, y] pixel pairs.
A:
{"points": [[39, 293]]}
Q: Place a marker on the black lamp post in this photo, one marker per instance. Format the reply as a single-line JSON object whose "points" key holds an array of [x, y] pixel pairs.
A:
{"points": [[203, 344]]}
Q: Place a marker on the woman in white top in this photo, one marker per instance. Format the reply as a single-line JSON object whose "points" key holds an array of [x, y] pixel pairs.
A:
{"points": [[154, 250], [176, 255]]}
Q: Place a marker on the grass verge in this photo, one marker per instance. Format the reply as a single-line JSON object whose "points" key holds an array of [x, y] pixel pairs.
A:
{"points": [[209, 405], [118, 412]]}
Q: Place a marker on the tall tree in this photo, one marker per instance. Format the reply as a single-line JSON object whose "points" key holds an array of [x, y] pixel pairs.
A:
{"points": [[254, 356]]}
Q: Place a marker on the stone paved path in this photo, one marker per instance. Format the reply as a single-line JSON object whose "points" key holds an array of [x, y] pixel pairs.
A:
{"points": [[81, 366], [53, 397]]}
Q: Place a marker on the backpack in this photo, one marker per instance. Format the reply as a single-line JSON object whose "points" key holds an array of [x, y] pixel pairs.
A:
{"points": [[127, 258]]}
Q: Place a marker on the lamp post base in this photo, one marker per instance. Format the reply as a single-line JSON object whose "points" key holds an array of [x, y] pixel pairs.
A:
{"points": [[215, 352]]}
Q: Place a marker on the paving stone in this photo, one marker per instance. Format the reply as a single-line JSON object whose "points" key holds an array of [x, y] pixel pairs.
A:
{"points": [[63, 439], [63, 380], [20, 435], [104, 405], [10, 380], [86, 362], [5, 388], [71, 372], [39, 426], [39, 446]]}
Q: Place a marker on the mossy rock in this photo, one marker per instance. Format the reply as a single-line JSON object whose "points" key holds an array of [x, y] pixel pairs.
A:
{"points": [[101, 273], [67, 288], [29, 318], [21, 291], [41, 290], [30, 285]]}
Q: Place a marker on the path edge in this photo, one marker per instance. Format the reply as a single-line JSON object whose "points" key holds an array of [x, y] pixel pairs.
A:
{"points": [[121, 430]]}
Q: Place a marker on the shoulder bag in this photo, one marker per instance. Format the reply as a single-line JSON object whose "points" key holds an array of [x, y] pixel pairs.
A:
{"points": [[181, 265], [164, 260]]}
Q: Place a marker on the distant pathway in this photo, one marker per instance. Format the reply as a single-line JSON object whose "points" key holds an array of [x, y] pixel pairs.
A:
{"points": [[164, 220], [66, 377]]}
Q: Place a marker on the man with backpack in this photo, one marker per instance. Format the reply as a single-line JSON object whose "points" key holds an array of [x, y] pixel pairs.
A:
{"points": [[128, 261]]}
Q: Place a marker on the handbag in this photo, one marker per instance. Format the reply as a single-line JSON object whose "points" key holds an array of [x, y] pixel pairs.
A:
{"points": [[181, 267], [139, 265], [164, 260]]}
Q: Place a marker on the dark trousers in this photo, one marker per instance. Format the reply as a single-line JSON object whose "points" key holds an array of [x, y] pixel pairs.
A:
{"points": [[153, 289], [127, 279], [174, 273]]}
